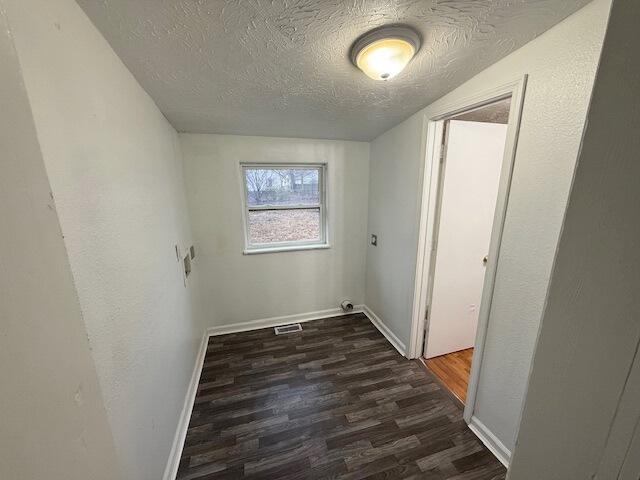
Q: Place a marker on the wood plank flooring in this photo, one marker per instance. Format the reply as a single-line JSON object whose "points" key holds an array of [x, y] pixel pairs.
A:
{"points": [[334, 401], [453, 369]]}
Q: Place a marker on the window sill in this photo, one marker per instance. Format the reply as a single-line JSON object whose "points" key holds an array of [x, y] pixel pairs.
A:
{"points": [[288, 248]]}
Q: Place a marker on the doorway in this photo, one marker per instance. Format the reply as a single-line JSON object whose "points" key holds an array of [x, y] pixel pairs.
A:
{"points": [[459, 106], [472, 156]]}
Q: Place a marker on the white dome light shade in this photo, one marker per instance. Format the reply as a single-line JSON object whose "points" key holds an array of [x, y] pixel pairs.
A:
{"points": [[383, 53]]}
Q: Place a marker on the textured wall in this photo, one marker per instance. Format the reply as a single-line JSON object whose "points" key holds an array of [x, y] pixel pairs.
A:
{"points": [[393, 216], [281, 68], [54, 424], [115, 170], [561, 64], [583, 400], [239, 288]]}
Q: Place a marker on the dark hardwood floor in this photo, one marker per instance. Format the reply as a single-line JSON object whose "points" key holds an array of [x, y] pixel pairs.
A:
{"points": [[334, 401]]}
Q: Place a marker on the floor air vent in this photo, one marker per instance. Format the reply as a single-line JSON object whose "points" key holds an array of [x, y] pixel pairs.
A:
{"points": [[282, 329]]}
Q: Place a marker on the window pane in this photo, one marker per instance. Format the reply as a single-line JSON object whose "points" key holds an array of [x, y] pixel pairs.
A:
{"points": [[269, 226], [282, 186]]}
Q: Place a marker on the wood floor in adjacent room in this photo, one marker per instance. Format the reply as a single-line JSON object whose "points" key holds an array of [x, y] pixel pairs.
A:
{"points": [[453, 369], [334, 401]]}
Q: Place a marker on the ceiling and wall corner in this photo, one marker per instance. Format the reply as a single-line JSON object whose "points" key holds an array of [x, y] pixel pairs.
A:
{"points": [[282, 68], [115, 163]]}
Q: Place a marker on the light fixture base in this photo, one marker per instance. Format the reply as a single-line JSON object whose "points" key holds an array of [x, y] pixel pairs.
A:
{"points": [[399, 31]]}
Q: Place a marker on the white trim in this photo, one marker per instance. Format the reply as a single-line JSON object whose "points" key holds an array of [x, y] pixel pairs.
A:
{"points": [[322, 242], [386, 331], [277, 321], [431, 152], [288, 248], [307, 317], [492, 442], [293, 206], [517, 90], [173, 462], [432, 146]]}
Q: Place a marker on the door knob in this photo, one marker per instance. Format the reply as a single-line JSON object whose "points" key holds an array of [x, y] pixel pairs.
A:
{"points": [[485, 260]]}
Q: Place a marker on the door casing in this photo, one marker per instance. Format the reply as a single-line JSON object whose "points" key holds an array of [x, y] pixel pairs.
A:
{"points": [[432, 149]]}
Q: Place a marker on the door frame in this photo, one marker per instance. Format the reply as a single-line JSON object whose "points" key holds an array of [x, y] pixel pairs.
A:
{"points": [[432, 149]]}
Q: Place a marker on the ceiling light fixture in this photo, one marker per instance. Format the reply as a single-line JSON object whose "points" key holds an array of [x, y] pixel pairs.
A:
{"points": [[384, 52]]}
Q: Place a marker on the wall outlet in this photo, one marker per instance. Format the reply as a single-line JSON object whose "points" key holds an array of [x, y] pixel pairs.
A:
{"points": [[374, 240]]}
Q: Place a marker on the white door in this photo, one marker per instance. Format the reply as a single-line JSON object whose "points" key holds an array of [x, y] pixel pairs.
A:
{"points": [[473, 161]]}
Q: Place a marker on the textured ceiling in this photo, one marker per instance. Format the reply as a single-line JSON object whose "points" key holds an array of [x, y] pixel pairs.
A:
{"points": [[497, 112], [281, 67]]}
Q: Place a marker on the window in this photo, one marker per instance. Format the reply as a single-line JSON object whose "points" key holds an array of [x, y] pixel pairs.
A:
{"points": [[284, 207]]}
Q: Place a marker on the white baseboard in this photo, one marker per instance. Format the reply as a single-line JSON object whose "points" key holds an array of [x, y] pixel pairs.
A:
{"points": [[492, 442], [171, 469], [386, 331], [276, 321], [181, 432]]}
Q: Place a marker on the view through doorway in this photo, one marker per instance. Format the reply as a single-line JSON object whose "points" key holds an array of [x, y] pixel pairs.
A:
{"points": [[472, 159]]}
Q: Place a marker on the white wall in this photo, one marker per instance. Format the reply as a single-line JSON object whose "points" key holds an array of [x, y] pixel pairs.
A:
{"points": [[561, 64], [239, 288], [53, 423], [114, 166], [472, 172], [583, 400]]}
